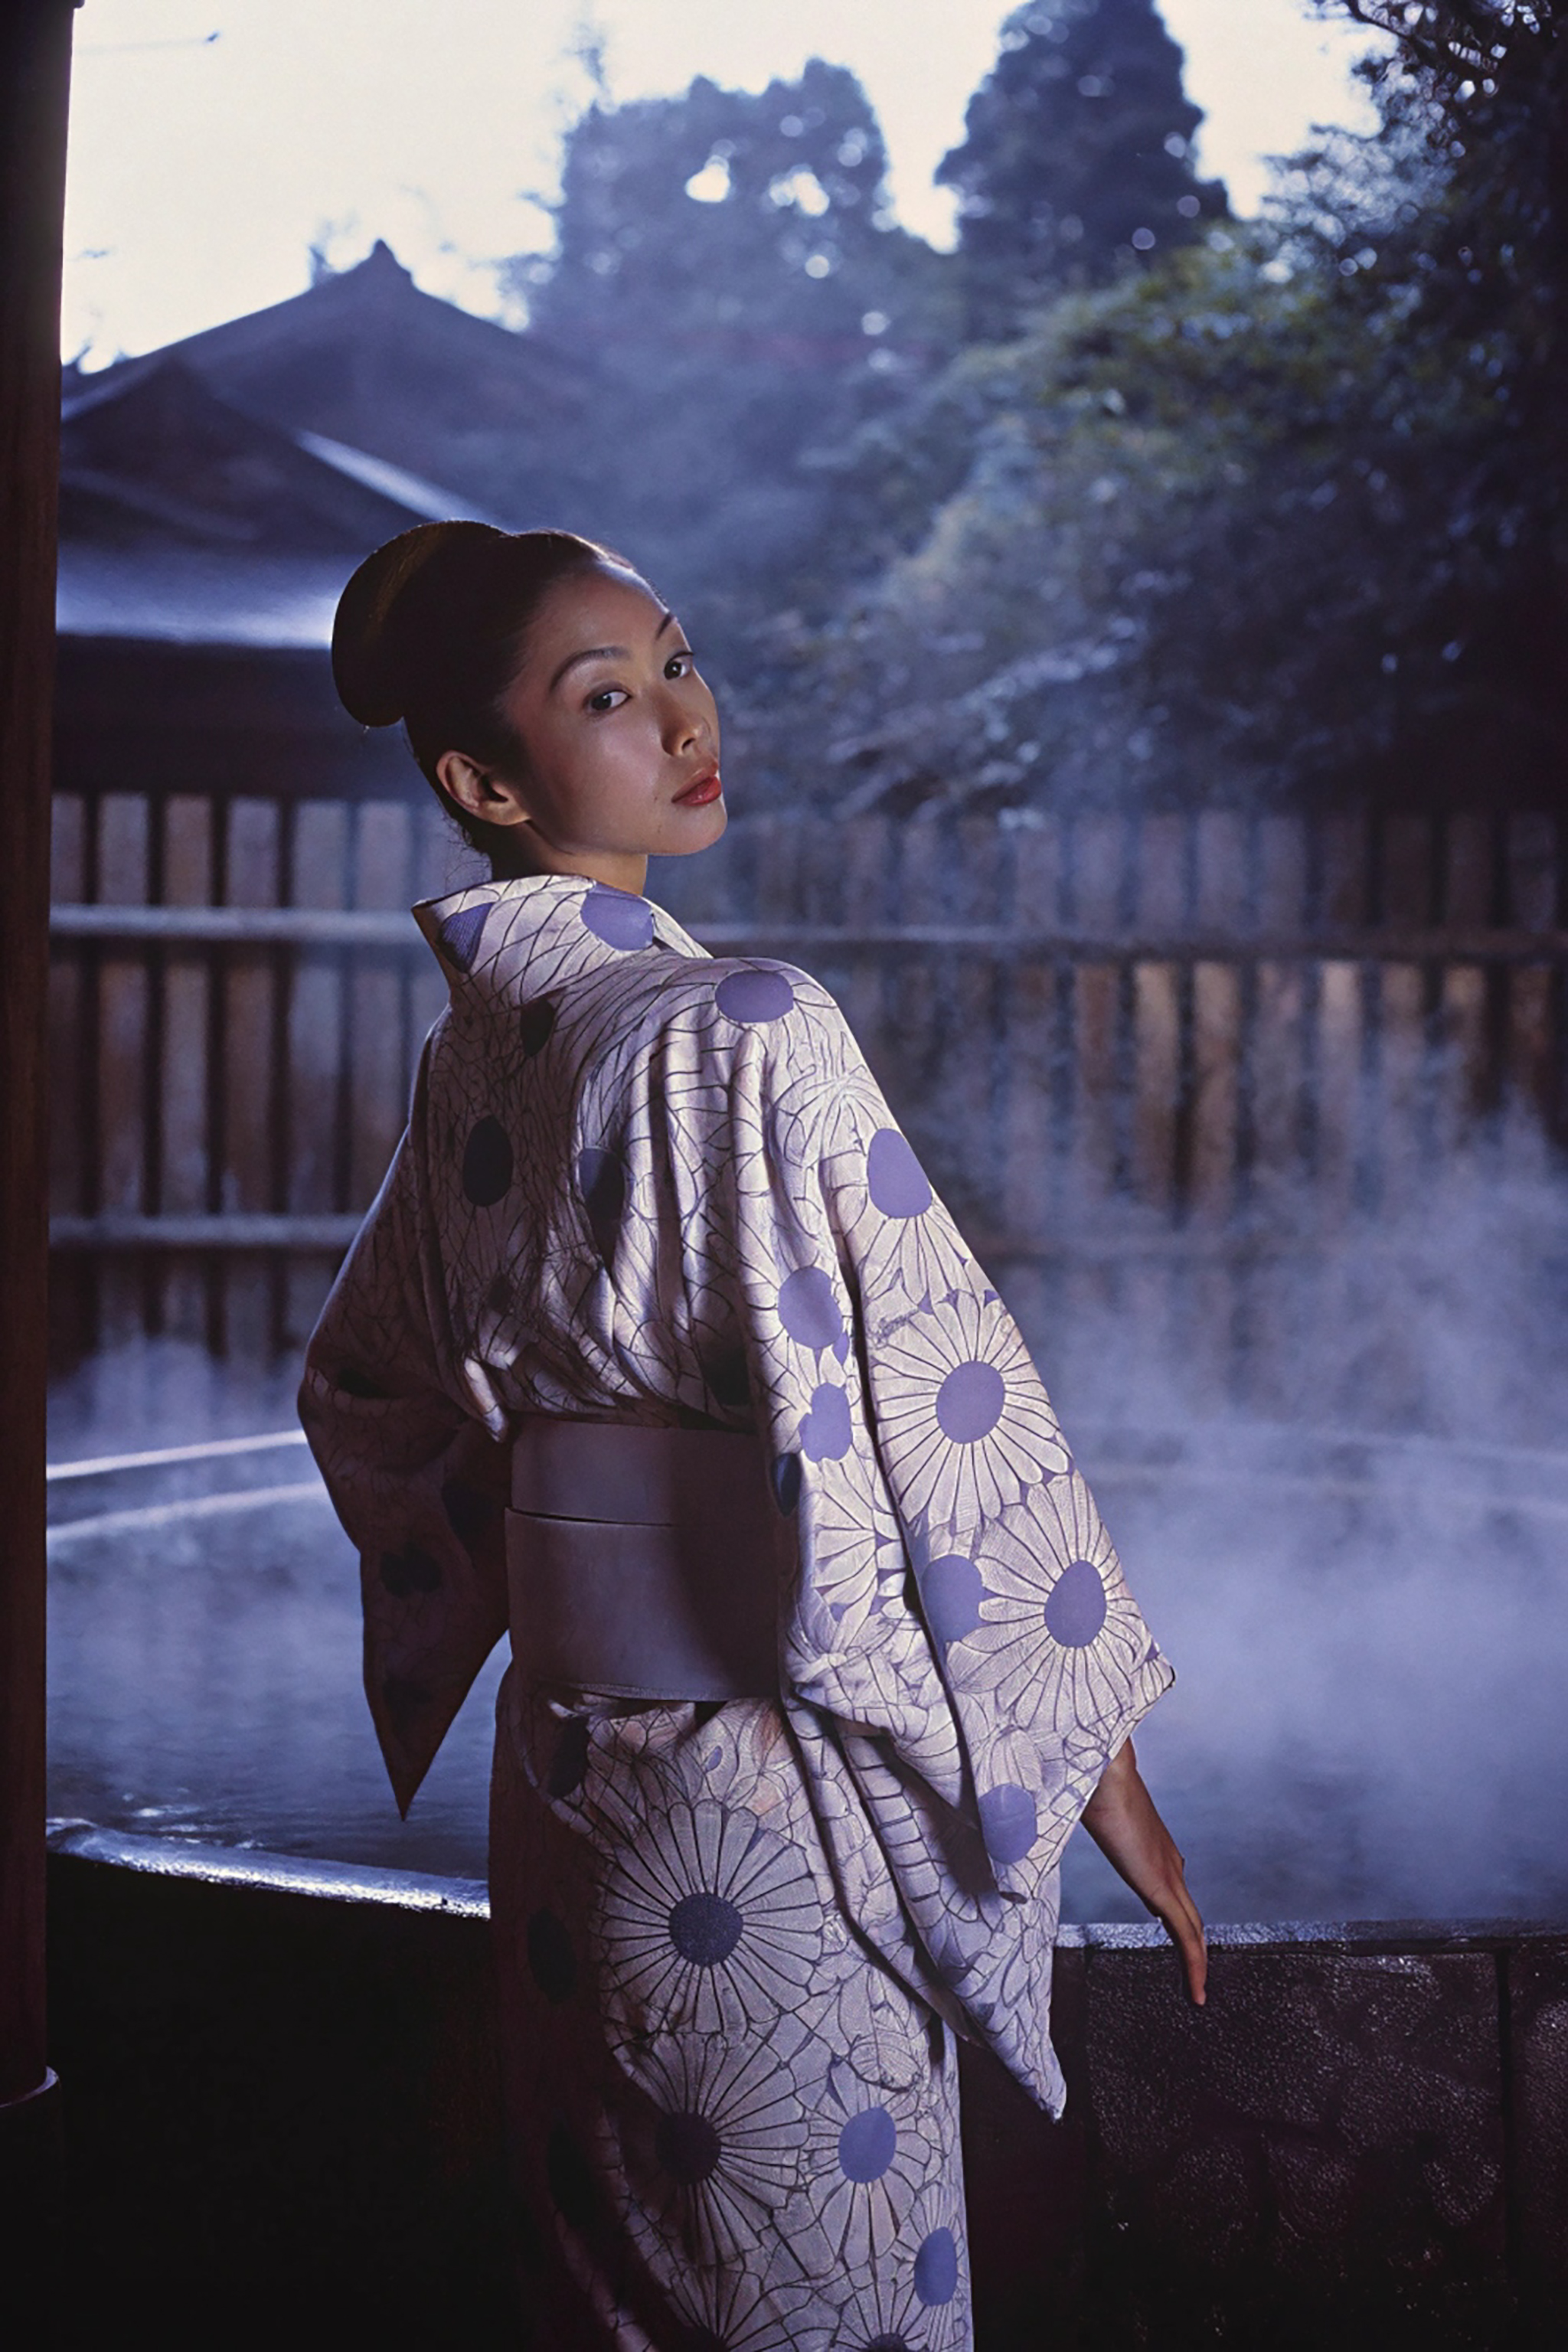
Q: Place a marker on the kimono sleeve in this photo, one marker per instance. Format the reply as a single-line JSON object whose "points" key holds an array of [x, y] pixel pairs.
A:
{"points": [[415, 1479], [998, 1623], [1044, 1650]]}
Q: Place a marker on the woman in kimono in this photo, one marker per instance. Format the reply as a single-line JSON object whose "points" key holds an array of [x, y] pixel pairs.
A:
{"points": [[657, 1352]]}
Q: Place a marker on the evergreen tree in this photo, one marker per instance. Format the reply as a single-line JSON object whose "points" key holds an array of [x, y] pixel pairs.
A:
{"points": [[1077, 156], [1285, 515], [718, 210], [726, 263]]}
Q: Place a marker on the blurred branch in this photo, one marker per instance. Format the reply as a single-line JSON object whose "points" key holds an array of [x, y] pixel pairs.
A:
{"points": [[1457, 40]]}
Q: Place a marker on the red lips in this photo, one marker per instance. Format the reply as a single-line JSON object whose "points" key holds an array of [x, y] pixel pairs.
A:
{"points": [[697, 795]]}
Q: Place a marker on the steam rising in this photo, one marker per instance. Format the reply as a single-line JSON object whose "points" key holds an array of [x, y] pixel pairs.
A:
{"points": [[1340, 1491]]}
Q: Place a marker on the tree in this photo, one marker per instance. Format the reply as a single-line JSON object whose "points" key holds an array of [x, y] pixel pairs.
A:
{"points": [[1077, 156], [1116, 602], [727, 263], [1476, 92], [1282, 514]]}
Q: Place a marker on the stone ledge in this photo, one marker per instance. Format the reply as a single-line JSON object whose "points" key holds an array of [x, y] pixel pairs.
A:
{"points": [[272, 1874], [1342, 1934], [282, 2071]]}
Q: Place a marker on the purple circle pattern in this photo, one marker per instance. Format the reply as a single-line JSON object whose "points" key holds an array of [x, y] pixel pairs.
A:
{"points": [[459, 936], [868, 2145], [688, 2147], [952, 1591], [754, 996], [618, 917], [469, 1511], [808, 1309], [894, 1177], [936, 2268], [969, 1400], [1008, 1821], [825, 1434], [705, 1928], [786, 1485], [535, 1025], [487, 1163], [729, 1377], [569, 1764], [1077, 1607], [412, 1570], [602, 1180], [958, 1428]]}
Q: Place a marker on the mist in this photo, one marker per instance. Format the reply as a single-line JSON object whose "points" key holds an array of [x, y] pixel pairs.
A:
{"points": [[1338, 1489]]}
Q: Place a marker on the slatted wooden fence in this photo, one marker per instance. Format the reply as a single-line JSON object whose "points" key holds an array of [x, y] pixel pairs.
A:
{"points": [[1169, 1040]]}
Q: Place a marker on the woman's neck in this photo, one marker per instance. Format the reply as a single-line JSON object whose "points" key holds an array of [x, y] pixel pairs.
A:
{"points": [[620, 870]]}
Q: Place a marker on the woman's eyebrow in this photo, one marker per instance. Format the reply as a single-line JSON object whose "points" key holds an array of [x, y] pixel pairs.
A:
{"points": [[590, 653], [605, 653]]}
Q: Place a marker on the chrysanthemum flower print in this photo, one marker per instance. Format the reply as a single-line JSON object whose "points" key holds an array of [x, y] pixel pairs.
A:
{"points": [[871, 2155], [1051, 1577], [732, 2312], [964, 1424], [920, 2302], [891, 2315], [709, 1922], [886, 2040], [906, 1246], [641, 1184], [854, 1545], [726, 2137]]}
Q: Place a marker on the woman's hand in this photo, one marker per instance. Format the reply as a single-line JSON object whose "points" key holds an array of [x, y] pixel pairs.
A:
{"points": [[1121, 1820]]}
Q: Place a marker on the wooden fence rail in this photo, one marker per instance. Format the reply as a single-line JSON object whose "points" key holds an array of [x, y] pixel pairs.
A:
{"points": [[1119, 1038], [311, 927]]}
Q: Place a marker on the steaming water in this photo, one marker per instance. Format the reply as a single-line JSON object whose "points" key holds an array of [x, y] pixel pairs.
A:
{"points": [[1371, 1637]]}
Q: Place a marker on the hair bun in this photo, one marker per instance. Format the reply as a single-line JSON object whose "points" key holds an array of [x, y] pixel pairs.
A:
{"points": [[371, 637]]}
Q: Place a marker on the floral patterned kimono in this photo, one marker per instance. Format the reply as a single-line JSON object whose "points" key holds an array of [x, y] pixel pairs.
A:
{"points": [[643, 1185]]}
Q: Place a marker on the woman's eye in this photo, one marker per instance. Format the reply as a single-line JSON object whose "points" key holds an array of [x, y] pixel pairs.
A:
{"points": [[609, 697], [680, 665]]}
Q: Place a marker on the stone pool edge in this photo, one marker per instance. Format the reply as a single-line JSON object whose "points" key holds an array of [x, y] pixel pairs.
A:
{"points": [[414, 1890], [1367, 2129]]}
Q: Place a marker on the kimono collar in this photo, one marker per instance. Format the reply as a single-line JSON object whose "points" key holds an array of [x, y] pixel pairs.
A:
{"points": [[511, 940]]}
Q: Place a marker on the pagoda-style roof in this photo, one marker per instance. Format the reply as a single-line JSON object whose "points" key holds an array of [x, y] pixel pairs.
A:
{"points": [[217, 495], [364, 358], [182, 517]]}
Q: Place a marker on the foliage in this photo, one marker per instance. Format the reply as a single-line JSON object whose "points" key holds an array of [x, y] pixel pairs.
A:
{"points": [[1075, 157], [1474, 95], [1283, 512], [1260, 508], [1040, 637], [726, 263]]}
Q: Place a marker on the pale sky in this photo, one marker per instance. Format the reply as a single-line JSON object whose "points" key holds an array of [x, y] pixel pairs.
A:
{"points": [[203, 171]]}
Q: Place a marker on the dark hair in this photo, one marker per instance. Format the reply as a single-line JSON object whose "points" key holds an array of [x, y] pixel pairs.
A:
{"points": [[429, 631]]}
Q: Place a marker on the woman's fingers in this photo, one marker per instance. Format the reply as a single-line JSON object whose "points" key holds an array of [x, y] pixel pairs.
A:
{"points": [[1178, 1914], [1192, 1945]]}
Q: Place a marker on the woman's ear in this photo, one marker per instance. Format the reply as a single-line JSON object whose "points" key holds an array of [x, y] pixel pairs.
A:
{"points": [[479, 792]]}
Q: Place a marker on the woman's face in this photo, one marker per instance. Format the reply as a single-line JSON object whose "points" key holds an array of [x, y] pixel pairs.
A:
{"points": [[621, 735]]}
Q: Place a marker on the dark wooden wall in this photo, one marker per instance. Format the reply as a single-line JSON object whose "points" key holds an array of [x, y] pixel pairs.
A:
{"points": [[34, 68]]}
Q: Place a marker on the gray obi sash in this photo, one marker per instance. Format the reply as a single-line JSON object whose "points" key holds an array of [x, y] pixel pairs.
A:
{"points": [[645, 1563]]}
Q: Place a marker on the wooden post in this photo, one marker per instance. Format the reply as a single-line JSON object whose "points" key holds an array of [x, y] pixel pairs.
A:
{"points": [[35, 71]]}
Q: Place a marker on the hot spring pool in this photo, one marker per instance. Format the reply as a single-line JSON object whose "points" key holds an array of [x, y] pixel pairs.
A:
{"points": [[1371, 1638]]}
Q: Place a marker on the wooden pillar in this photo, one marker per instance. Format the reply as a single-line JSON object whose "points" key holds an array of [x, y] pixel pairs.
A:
{"points": [[35, 68]]}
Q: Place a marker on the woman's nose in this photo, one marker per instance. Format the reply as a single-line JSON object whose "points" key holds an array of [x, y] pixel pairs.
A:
{"points": [[682, 727]]}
